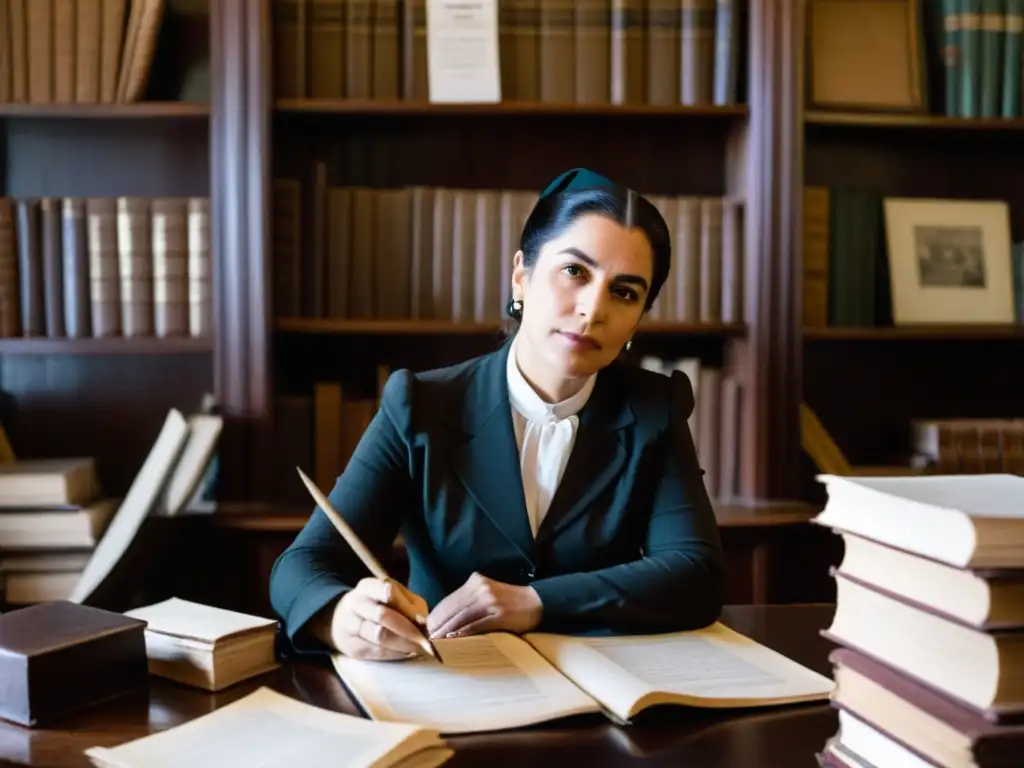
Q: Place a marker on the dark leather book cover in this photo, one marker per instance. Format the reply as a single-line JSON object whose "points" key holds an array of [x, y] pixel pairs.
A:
{"points": [[30, 267], [60, 657], [53, 266]]}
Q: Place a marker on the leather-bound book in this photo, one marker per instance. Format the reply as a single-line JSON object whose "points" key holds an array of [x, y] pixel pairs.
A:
{"points": [[60, 657]]}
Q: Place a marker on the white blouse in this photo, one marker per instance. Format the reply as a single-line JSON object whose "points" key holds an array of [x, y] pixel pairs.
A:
{"points": [[546, 433]]}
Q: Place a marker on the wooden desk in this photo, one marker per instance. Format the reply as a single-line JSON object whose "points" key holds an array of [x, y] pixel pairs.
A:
{"points": [[782, 737]]}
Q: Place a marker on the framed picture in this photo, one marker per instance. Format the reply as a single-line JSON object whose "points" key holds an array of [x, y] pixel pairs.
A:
{"points": [[865, 55], [949, 261]]}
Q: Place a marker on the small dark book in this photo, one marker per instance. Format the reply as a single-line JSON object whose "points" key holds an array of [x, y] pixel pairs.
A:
{"points": [[60, 657]]}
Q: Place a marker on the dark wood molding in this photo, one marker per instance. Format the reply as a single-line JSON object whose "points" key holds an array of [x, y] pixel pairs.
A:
{"points": [[774, 179], [329, 326], [238, 150], [107, 345], [134, 111], [924, 332], [400, 108], [926, 122], [259, 303]]}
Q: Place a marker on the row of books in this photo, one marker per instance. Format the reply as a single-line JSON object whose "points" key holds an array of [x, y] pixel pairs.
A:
{"points": [[77, 51], [968, 446], [93, 267], [446, 254], [977, 46], [561, 51], [929, 612], [715, 423], [322, 429]]}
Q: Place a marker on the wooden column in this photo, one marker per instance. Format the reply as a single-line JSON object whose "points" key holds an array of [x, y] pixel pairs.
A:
{"points": [[238, 162], [774, 182]]}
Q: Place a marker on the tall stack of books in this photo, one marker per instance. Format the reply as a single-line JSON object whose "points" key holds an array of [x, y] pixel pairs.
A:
{"points": [[929, 621]]}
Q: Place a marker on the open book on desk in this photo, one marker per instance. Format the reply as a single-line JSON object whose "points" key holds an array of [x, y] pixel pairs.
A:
{"points": [[499, 681], [271, 730]]}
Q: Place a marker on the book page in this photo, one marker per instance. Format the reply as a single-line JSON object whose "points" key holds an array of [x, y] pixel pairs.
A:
{"points": [[270, 730], [487, 682], [711, 667], [183, 618], [136, 505]]}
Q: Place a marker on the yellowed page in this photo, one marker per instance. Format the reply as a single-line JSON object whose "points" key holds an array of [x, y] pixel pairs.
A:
{"points": [[711, 667], [270, 730], [487, 682]]}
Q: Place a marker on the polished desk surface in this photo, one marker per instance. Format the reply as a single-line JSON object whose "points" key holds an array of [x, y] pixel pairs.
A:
{"points": [[787, 736]]}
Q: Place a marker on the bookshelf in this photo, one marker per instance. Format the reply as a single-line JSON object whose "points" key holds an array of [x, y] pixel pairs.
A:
{"points": [[668, 149], [261, 132], [235, 143], [95, 394], [867, 381]]}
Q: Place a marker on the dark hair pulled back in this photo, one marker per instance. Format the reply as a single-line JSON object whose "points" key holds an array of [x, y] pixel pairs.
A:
{"points": [[580, 192]]}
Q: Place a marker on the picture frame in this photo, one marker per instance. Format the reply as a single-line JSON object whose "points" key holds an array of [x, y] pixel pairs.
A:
{"points": [[950, 261], [866, 56]]}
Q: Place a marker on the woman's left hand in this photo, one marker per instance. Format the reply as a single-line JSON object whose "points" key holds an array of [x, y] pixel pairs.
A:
{"points": [[485, 605]]}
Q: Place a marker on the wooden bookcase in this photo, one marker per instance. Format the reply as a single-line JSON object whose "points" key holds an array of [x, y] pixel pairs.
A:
{"points": [[866, 384], [233, 148], [107, 397], [746, 150]]}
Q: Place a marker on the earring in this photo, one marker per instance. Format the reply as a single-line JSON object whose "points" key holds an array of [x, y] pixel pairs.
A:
{"points": [[515, 308], [629, 345]]}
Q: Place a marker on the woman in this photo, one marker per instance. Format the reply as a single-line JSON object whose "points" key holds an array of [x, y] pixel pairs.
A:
{"points": [[544, 486]]}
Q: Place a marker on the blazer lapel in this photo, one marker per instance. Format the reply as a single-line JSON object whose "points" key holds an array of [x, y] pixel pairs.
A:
{"points": [[488, 462], [597, 458]]}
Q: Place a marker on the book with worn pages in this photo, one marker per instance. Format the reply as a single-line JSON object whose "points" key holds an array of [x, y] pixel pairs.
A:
{"points": [[500, 681], [205, 646], [271, 730]]}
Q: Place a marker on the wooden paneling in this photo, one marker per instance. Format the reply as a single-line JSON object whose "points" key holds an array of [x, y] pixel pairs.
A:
{"points": [[769, 165], [519, 151], [107, 406]]}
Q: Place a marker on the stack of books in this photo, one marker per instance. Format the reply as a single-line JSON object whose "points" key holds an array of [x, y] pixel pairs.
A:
{"points": [[53, 513], [929, 622]]}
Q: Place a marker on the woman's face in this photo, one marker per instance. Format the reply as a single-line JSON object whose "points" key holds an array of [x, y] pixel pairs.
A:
{"points": [[585, 295]]}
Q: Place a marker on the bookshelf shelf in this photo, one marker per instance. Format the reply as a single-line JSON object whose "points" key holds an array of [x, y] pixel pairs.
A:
{"points": [[445, 328], [105, 346], [134, 111], [381, 107], [910, 121], [922, 332]]}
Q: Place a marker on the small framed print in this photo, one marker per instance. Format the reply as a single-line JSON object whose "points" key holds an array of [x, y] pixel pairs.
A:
{"points": [[949, 261]]}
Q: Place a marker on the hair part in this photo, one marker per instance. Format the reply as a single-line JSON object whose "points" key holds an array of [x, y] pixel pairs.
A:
{"points": [[554, 214]]}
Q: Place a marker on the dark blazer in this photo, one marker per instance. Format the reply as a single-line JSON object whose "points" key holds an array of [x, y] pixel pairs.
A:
{"points": [[629, 544]]}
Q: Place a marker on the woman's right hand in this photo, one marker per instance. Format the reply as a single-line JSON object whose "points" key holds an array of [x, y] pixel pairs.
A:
{"points": [[369, 622]]}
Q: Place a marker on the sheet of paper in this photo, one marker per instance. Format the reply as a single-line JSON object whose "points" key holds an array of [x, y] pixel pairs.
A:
{"points": [[487, 682], [712, 667], [263, 729], [462, 51]]}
